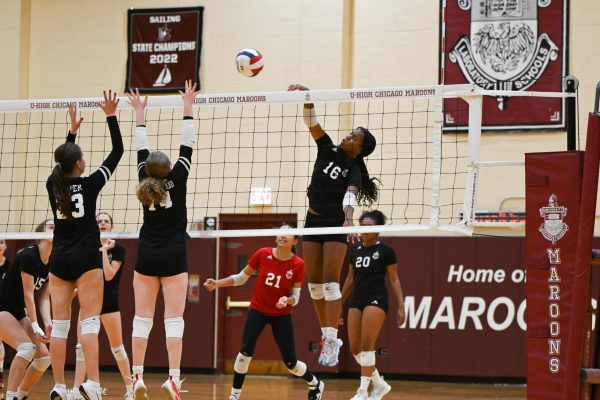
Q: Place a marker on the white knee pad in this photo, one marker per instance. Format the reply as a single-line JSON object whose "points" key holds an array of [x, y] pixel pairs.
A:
{"points": [[332, 291], [90, 325], [357, 358], [242, 363], [174, 327], [79, 353], [119, 353], [299, 369], [367, 358], [142, 327], [26, 351], [41, 364], [317, 291], [60, 328], [2, 351]]}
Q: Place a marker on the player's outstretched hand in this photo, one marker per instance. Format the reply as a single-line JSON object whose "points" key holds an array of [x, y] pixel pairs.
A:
{"points": [[296, 86], [110, 103], [210, 284], [136, 101], [75, 123], [190, 92]]}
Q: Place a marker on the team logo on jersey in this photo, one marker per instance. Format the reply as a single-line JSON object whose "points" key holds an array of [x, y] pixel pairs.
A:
{"points": [[375, 302], [375, 255], [345, 173], [553, 227], [505, 51], [269, 257], [289, 274]]}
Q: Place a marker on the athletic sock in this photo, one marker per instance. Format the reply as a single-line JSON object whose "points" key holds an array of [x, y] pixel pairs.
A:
{"points": [[364, 383], [175, 373]]}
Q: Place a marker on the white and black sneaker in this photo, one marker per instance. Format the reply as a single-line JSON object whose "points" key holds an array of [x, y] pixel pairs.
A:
{"points": [[316, 392]]}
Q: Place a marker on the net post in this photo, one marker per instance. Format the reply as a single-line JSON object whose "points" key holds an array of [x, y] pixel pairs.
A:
{"points": [[436, 172], [570, 85], [597, 99], [475, 102]]}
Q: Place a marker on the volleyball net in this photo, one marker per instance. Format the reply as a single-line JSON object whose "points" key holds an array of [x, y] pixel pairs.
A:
{"points": [[254, 156]]}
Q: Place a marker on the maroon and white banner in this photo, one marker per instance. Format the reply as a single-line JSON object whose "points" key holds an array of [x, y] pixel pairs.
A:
{"points": [[505, 45], [163, 48]]}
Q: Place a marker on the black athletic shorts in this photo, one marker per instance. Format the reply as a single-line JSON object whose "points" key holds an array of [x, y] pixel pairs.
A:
{"points": [[321, 221], [16, 310], [110, 304], [376, 300], [162, 261], [69, 266]]}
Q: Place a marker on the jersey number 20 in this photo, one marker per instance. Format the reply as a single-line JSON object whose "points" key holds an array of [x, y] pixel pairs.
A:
{"points": [[363, 262]]}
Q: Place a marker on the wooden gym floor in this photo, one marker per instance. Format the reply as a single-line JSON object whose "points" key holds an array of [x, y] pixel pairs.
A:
{"points": [[212, 387]]}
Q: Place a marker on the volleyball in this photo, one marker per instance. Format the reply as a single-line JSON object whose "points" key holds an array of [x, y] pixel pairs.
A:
{"points": [[249, 62]]}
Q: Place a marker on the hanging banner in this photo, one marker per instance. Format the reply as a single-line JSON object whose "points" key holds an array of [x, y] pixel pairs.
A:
{"points": [[505, 45], [163, 47]]}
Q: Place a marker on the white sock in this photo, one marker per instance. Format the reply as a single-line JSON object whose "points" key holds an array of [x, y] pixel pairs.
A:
{"points": [[364, 383], [236, 392], [60, 386], [175, 373], [332, 333], [21, 393], [11, 395], [376, 378], [138, 370], [129, 388], [324, 331]]}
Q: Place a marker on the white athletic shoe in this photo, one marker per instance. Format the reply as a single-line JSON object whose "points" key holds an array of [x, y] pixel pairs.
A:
{"points": [[140, 392], [128, 395], [233, 397], [172, 389], [360, 395], [73, 394], [90, 392], [58, 393], [330, 353], [316, 392], [380, 390]]}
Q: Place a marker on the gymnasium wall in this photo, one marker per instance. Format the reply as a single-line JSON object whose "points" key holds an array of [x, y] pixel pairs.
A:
{"points": [[67, 48]]}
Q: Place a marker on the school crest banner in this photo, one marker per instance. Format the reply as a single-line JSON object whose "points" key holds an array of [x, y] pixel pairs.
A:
{"points": [[505, 45], [163, 48]]}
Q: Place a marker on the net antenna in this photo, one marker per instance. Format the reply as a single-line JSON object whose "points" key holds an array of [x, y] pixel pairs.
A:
{"points": [[254, 155]]}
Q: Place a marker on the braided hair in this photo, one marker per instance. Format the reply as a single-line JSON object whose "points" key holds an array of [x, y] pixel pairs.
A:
{"points": [[369, 191], [66, 156]]}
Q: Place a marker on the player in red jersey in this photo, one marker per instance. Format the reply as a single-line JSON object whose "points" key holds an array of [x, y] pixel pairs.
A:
{"points": [[280, 276]]}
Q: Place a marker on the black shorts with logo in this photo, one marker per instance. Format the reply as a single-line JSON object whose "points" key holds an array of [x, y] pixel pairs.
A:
{"points": [[377, 300], [321, 221], [70, 265]]}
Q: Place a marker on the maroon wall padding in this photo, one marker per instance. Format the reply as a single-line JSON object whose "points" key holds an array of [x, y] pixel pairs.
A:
{"points": [[581, 283], [558, 176]]}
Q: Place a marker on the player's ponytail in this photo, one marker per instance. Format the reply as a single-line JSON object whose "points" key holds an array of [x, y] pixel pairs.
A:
{"points": [[369, 191], [152, 189], [66, 156]]}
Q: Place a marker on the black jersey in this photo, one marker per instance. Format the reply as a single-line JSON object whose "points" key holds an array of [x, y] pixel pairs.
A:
{"points": [[82, 228], [3, 268], [111, 288], [166, 223], [28, 261], [370, 267], [332, 174]]}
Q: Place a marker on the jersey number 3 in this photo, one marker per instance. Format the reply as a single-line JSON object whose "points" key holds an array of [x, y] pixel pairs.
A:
{"points": [[77, 200], [271, 278]]}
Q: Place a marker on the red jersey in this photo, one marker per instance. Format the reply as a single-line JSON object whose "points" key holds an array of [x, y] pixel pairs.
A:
{"points": [[275, 279]]}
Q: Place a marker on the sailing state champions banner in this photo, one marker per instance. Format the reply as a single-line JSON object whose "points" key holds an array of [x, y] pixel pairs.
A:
{"points": [[516, 45], [163, 48]]}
